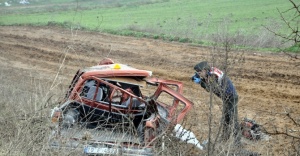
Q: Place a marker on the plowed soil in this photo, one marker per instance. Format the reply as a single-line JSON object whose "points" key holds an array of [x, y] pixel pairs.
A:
{"points": [[268, 84]]}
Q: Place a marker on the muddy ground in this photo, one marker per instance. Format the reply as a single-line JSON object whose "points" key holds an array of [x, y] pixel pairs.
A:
{"points": [[268, 84]]}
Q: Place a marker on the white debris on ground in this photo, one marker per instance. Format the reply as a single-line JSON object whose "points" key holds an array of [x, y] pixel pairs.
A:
{"points": [[24, 2], [7, 4], [188, 136], [55, 109]]}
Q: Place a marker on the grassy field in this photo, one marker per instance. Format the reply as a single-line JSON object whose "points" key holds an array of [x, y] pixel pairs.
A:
{"points": [[196, 20]]}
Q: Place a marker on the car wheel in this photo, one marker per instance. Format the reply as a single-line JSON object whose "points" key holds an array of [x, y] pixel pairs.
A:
{"points": [[71, 117], [141, 132]]}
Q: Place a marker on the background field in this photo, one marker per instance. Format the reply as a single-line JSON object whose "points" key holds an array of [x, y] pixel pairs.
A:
{"points": [[38, 59], [174, 20], [35, 75]]}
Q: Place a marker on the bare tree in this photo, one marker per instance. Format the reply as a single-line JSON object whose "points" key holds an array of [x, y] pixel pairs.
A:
{"points": [[224, 56], [292, 24]]}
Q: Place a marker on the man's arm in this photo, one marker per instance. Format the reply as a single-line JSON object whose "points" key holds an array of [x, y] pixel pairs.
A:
{"points": [[204, 85], [210, 82], [197, 79]]}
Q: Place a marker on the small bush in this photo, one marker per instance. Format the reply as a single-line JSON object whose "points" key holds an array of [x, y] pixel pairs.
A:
{"points": [[52, 23], [154, 37], [184, 40], [294, 49]]}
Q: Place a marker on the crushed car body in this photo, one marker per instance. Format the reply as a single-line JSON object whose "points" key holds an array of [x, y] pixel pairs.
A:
{"points": [[105, 111]]}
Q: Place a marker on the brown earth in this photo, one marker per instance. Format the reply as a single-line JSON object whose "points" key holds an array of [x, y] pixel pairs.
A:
{"points": [[268, 84]]}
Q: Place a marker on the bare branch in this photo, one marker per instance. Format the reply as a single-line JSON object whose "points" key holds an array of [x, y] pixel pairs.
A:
{"points": [[280, 133], [295, 6], [292, 25], [284, 20], [289, 116]]}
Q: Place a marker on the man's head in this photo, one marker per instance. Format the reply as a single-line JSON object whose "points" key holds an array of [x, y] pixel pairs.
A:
{"points": [[202, 68]]}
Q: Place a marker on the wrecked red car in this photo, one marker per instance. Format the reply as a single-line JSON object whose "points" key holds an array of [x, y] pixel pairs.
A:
{"points": [[105, 110]]}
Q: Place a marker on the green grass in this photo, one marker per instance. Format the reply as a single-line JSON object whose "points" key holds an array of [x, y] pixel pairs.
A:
{"points": [[193, 19]]}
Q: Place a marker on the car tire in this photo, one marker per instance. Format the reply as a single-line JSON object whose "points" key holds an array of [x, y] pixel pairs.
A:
{"points": [[71, 117], [141, 132]]}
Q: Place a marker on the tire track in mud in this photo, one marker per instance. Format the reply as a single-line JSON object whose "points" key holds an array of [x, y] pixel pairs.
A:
{"points": [[51, 51], [36, 51], [180, 58], [124, 50], [262, 76], [28, 55], [79, 52], [279, 93]]}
